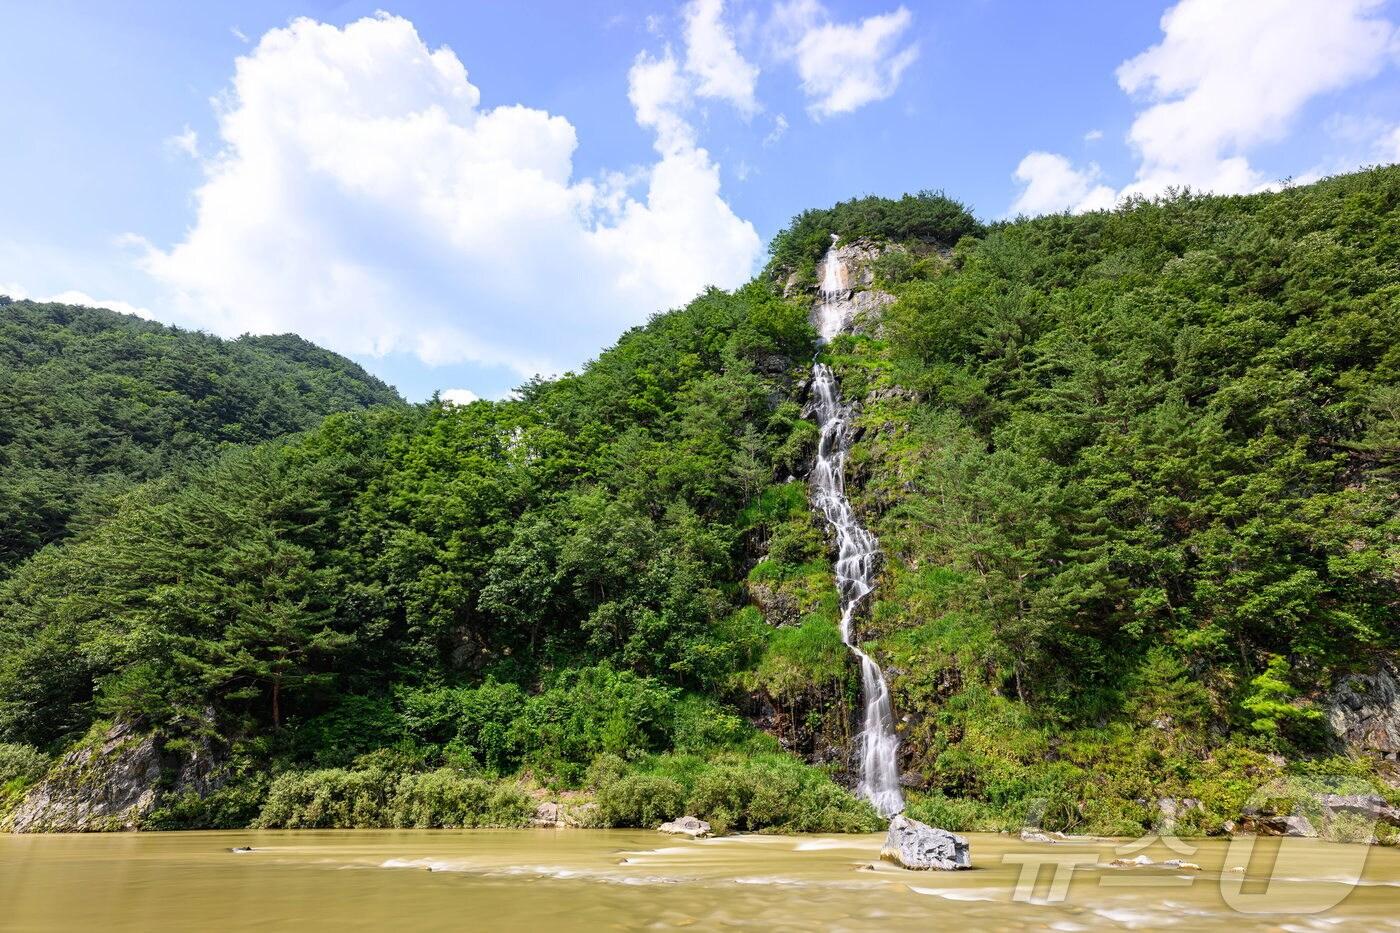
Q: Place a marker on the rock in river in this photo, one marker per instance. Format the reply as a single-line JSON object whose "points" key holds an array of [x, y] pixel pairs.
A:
{"points": [[686, 826], [916, 845]]}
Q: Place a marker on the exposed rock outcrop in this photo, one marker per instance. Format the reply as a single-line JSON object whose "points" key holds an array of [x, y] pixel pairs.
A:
{"points": [[922, 847], [564, 814], [852, 303], [1273, 824], [111, 781], [1371, 807], [1364, 711], [108, 783], [686, 826]]}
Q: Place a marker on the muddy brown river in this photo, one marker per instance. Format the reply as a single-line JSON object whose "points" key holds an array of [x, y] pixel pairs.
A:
{"points": [[562, 880]]}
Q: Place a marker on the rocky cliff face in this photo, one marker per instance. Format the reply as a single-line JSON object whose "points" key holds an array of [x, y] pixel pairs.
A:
{"points": [[1364, 711], [111, 781], [860, 303]]}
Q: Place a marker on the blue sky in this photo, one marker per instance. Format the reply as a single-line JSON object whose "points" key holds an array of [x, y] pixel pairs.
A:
{"points": [[461, 194]]}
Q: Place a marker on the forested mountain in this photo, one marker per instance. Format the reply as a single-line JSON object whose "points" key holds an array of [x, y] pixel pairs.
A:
{"points": [[93, 402], [1134, 476]]}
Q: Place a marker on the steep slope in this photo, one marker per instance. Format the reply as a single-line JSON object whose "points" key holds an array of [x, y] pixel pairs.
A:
{"points": [[1133, 477], [95, 401]]}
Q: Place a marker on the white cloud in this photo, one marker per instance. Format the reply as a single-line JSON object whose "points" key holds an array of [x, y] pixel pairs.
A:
{"points": [[458, 396], [1052, 184], [1093, 136], [238, 34], [185, 142], [1225, 79], [713, 58], [1230, 76], [74, 297], [843, 66], [780, 126], [364, 199], [1390, 146]]}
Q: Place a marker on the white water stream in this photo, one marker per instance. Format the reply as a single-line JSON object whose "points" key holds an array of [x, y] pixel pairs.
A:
{"points": [[856, 550]]}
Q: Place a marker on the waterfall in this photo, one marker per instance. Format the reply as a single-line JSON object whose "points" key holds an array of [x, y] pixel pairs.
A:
{"points": [[856, 550]]}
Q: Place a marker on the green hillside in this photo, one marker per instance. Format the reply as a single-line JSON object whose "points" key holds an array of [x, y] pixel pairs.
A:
{"points": [[92, 402], [1135, 476]]}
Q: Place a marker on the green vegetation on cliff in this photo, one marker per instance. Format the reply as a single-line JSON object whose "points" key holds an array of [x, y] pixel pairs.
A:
{"points": [[1139, 501], [1134, 475]]}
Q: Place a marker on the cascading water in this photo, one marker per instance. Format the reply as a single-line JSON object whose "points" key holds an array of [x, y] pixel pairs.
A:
{"points": [[856, 550]]}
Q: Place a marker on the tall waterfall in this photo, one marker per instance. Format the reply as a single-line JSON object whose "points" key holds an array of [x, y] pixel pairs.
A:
{"points": [[855, 561]]}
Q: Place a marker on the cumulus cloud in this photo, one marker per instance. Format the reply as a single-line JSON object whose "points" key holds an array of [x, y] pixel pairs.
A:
{"points": [[713, 58], [363, 198], [1228, 77], [843, 66], [1052, 184], [458, 396]]}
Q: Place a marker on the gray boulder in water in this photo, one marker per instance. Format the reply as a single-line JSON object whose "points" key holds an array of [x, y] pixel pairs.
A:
{"points": [[915, 845], [686, 826]]}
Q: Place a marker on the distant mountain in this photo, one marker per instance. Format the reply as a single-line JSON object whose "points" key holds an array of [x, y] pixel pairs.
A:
{"points": [[92, 401]]}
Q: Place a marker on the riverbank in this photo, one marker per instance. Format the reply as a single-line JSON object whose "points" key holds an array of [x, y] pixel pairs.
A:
{"points": [[625, 879]]}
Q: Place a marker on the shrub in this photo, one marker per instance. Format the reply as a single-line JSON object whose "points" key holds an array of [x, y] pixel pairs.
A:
{"points": [[776, 792], [20, 766], [233, 806], [354, 726], [21, 763], [343, 799], [446, 799], [642, 800], [332, 798]]}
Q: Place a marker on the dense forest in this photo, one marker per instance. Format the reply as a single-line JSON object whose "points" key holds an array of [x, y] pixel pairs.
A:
{"points": [[1134, 474], [93, 402]]}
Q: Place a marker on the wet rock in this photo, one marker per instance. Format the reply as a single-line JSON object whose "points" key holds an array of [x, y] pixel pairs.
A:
{"points": [[1035, 835], [239, 850], [916, 845], [912, 780], [1143, 861], [686, 826], [1181, 865], [854, 306], [1364, 711]]}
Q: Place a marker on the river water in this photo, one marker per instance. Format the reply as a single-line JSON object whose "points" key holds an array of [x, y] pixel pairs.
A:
{"points": [[564, 880]]}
